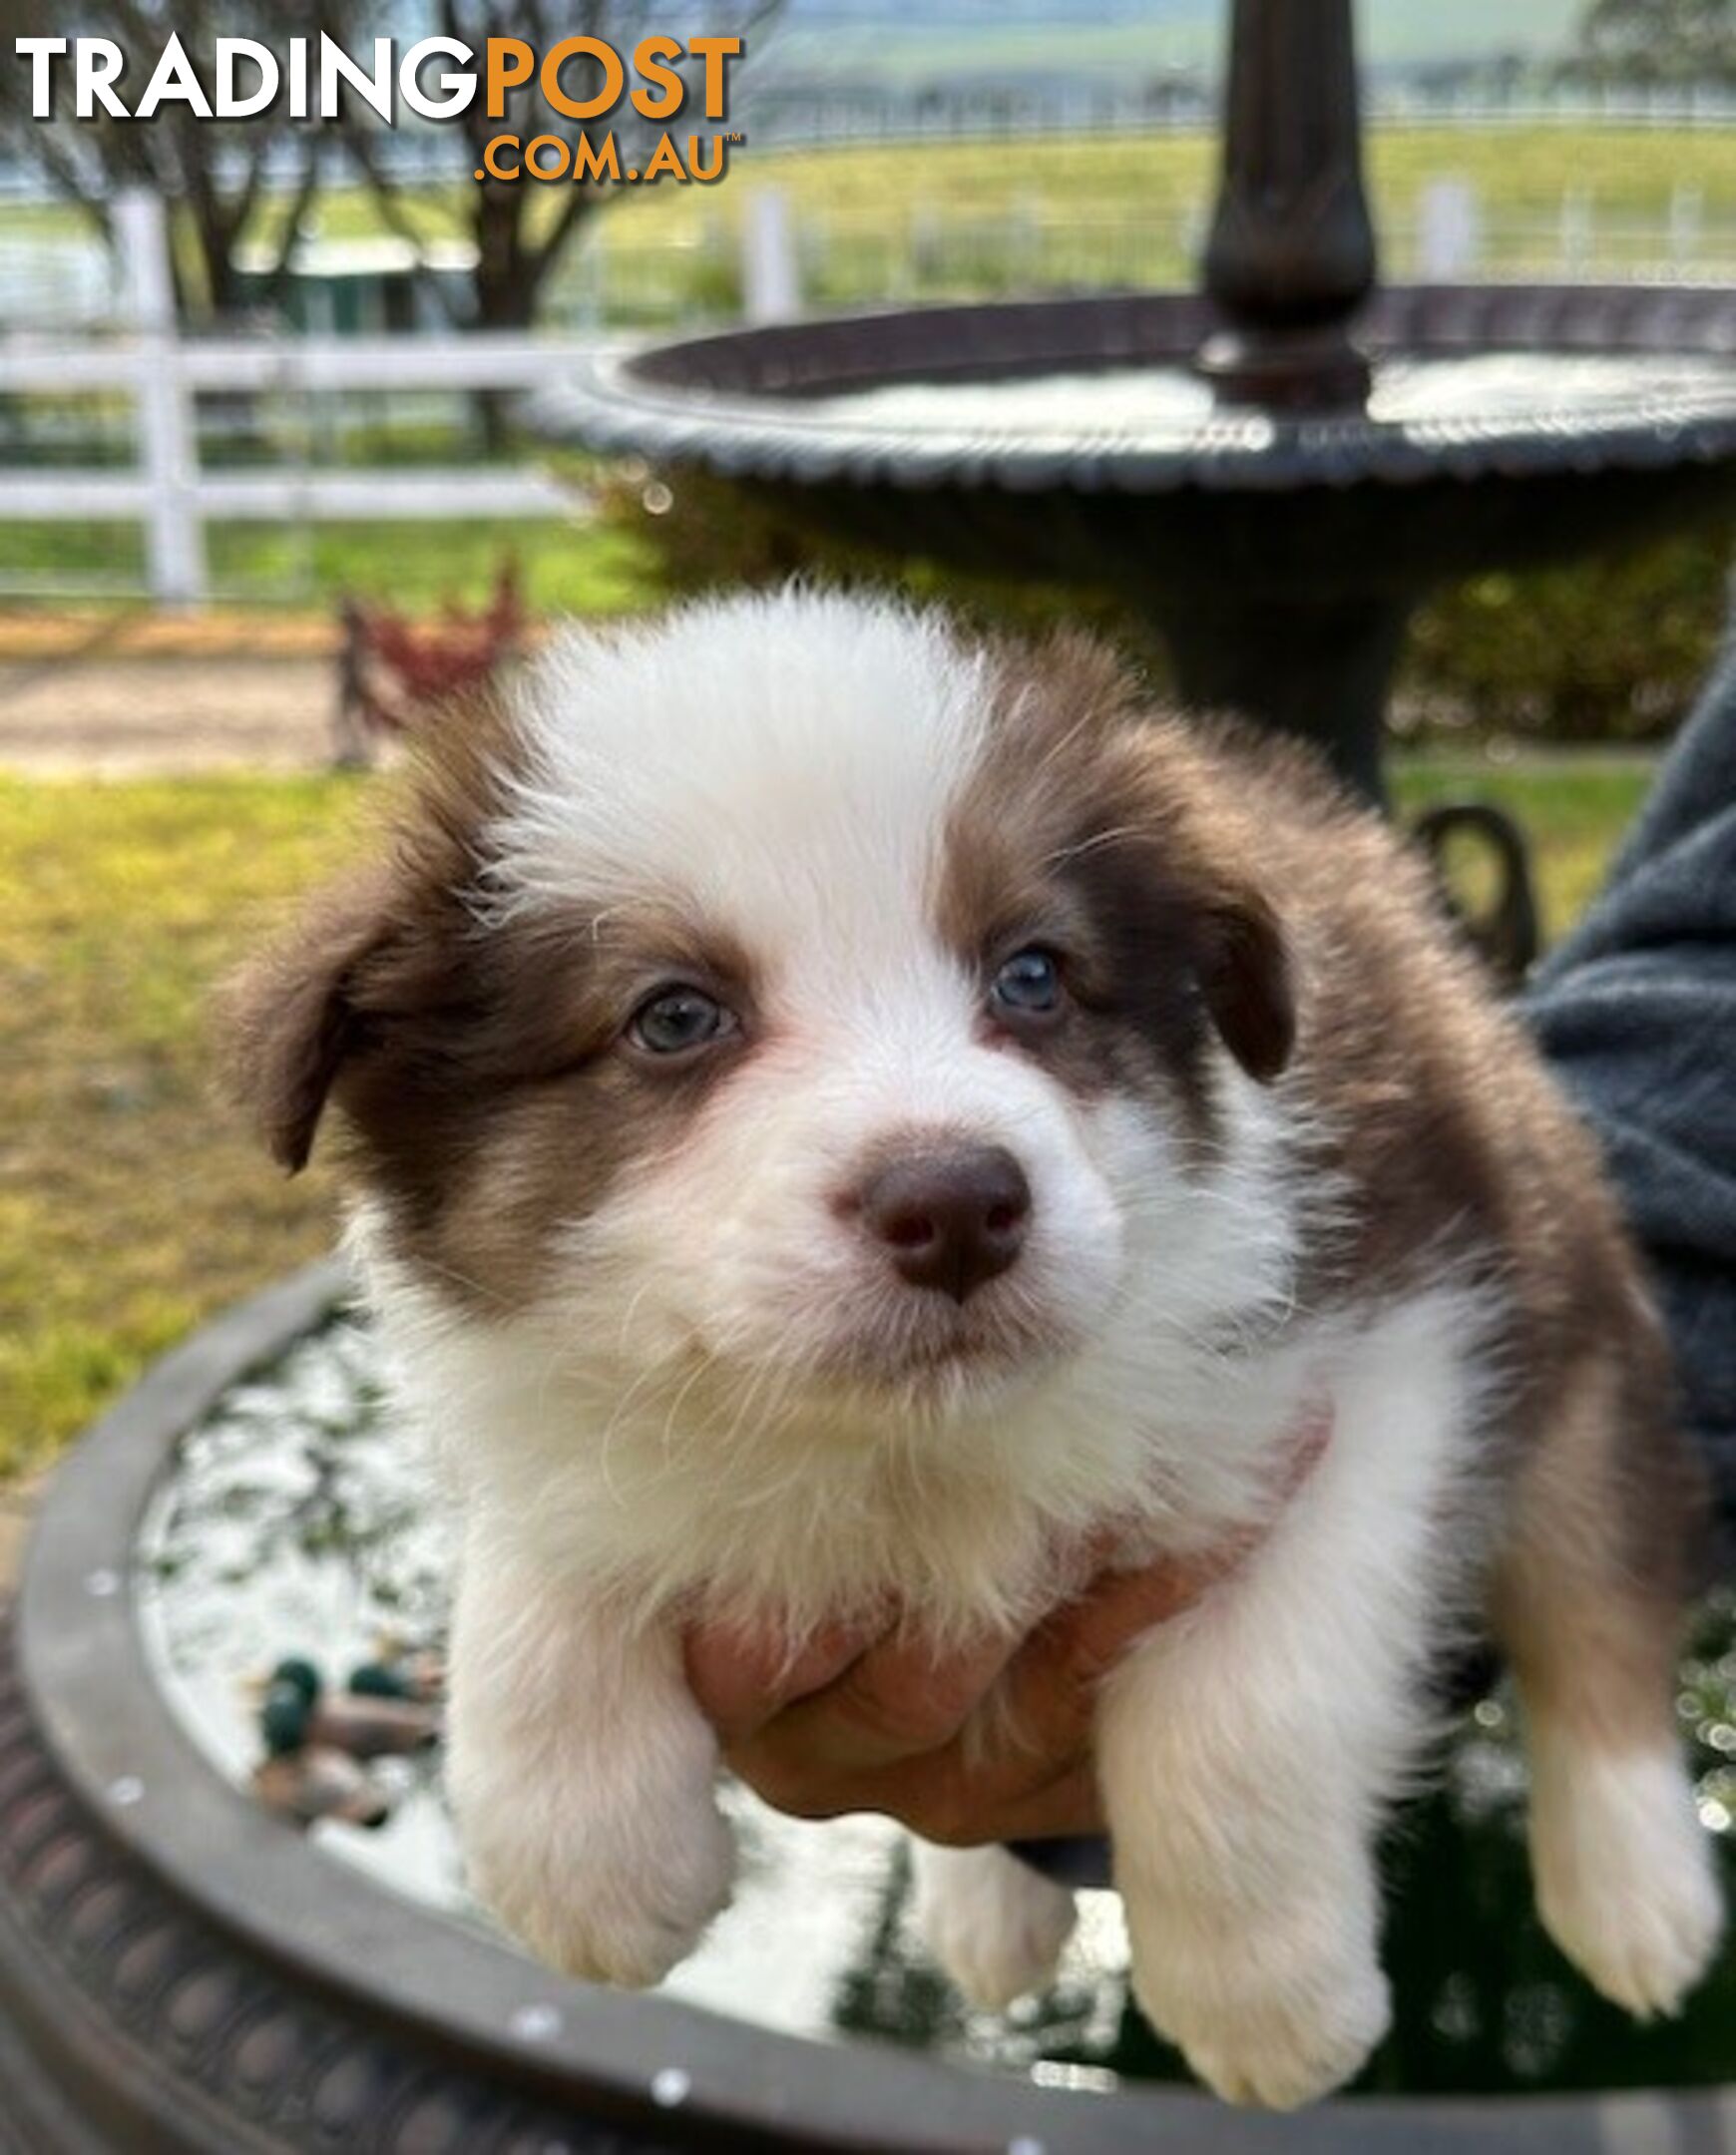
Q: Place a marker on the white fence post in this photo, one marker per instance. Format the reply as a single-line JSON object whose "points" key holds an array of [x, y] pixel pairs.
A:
{"points": [[1577, 229], [167, 439], [770, 279], [1449, 231], [1687, 214]]}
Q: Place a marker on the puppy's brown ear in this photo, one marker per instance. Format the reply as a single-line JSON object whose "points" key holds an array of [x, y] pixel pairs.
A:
{"points": [[1246, 979], [294, 1015]]}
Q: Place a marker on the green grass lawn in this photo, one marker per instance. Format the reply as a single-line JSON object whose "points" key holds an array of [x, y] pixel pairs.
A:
{"points": [[1121, 209], [1130, 209], [1518, 173], [132, 1201], [567, 566], [1517, 170]]}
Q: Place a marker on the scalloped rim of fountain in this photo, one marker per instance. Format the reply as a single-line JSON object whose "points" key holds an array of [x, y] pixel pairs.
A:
{"points": [[734, 402], [129, 1794]]}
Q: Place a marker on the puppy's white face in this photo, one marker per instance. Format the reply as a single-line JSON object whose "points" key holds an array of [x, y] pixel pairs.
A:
{"points": [[826, 1009], [853, 1163]]}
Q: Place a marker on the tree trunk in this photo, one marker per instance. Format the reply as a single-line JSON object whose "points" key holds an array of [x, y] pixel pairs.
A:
{"points": [[508, 281]]}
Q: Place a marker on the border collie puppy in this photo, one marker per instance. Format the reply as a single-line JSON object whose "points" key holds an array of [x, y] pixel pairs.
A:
{"points": [[842, 1115]]}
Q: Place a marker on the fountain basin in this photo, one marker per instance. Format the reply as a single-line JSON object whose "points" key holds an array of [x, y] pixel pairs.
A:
{"points": [[181, 1970], [1278, 554], [1470, 383]]}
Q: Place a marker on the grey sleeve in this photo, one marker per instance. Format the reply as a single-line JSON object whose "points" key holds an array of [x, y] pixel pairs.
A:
{"points": [[1636, 1012]]}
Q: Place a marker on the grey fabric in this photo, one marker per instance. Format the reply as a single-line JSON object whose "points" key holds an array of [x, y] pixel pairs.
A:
{"points": [[1636, 1012]]}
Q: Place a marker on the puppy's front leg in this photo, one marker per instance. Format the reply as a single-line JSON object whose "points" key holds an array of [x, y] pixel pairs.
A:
{"points": [[582, 1776], [1243, 1857], [1248, 1748]]}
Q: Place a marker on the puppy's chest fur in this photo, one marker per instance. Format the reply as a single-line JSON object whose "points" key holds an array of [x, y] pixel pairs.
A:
{"points": [[1165, 1446]]}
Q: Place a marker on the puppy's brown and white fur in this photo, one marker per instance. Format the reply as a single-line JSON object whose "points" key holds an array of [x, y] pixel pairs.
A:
{"points": [[1274, 1150]]}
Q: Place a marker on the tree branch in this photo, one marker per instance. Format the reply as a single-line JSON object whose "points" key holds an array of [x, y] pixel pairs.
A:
{"points": [[306, 191], [383, 191]]}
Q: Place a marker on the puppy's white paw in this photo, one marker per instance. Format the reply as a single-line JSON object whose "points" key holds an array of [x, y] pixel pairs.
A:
{"points": [[1276, 2011], [996, 1925], [1627, 1883], [608, 1900], [1280, 2049]]}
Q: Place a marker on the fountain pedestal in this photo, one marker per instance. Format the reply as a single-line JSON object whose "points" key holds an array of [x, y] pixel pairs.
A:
{"points": [[1321, 667]]}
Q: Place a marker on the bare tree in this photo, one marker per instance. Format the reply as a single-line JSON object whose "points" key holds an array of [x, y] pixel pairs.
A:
{"points": [[257, 180], [248, 179], [521, 230]]}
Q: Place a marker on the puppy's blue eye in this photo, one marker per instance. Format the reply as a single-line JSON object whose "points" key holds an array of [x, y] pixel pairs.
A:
{"points": [[678, 1019], [1028, 985]]}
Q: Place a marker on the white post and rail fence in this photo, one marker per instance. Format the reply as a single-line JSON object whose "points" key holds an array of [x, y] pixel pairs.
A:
{"points": [[1446, 234], [169, 493]]}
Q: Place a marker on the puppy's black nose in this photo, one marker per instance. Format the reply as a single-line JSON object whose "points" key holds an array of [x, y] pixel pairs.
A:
{"points": [[950, 1219]]}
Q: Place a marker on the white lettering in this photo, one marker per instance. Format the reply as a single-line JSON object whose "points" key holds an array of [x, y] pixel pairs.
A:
{"points": [[459, 88], [96, 63], [39, 51], [336, 64], [231, 104], [173, 77]]}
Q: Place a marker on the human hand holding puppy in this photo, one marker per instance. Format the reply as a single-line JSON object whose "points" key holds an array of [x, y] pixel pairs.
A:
{"points": [[988, 1744]]}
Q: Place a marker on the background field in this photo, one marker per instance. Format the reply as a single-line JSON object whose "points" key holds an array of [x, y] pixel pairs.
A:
{"points": [[1088, 36], [1157, 181], [1130, 203]]}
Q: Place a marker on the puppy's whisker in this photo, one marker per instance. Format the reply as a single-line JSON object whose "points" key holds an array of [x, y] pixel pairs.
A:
{"points": [[629, 1314], [1098, 841], [468, 1281]]}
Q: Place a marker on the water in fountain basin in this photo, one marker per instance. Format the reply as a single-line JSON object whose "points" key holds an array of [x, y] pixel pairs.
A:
{"points": [[299, 1521], [1169, 410]]}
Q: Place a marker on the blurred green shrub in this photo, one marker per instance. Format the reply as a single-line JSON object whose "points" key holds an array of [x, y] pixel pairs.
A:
{"points": [[703, 532], [1607, 650], [1610, 649]]}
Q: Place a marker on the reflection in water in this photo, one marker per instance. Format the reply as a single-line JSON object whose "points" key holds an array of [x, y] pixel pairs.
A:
{"points": [[1173, 410], [299, 1523]]}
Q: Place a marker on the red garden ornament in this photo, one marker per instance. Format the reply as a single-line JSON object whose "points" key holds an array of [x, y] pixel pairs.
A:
{"points": [[392, 672]]}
